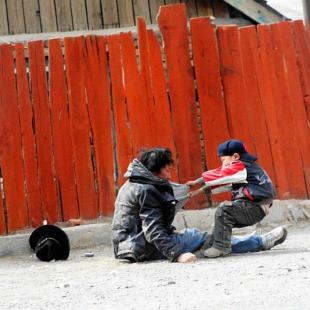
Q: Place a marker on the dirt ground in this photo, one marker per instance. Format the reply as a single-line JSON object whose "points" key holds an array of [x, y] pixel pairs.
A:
{"points": [[276, 279]]}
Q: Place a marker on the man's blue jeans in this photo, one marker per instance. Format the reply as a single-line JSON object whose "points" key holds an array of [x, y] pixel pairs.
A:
{"points": [[192, 239]]}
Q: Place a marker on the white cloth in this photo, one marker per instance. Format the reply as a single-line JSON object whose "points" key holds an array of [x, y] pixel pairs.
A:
{"points": [[181, 194]]}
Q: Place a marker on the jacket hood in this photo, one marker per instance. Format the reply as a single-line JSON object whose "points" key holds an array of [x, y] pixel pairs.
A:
{"points": [[136, 171]]}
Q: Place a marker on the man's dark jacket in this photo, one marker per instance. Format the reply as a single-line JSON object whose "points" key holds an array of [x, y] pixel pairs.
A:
{"points": [[144, 211]]}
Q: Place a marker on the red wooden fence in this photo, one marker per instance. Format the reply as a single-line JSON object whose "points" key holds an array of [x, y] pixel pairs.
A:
{"points": [[70, 123]]}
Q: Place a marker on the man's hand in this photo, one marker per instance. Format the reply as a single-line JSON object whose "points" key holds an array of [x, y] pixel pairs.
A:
{"points": [[190, 183], [187, 258], [194, 193]]}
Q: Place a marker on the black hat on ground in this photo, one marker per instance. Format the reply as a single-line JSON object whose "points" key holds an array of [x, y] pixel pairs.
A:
{"points": [[50, 242]]}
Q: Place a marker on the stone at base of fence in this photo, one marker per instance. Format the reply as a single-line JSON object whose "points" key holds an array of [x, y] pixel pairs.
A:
{"points": [[286, 212]]}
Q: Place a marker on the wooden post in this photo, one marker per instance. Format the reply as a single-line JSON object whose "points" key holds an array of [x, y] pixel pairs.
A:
{"points": [[15, 17], [48, 16], [4, 27], [64, 16], [306, 6], [32, 16]]}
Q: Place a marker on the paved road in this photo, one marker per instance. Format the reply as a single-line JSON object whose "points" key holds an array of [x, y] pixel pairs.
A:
{"points": [[277, 279]]}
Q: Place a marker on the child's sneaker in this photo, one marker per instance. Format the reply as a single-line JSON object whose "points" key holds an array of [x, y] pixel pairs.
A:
{"points": [[274, 237]]}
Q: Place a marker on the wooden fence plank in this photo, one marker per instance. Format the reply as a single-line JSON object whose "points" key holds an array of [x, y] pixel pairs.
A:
{"points": [[43, 131], [94, 14], [137, 103], [162, 119], [28, 139], [11, 145], [124, 151], [110, 14], [80, 128], [266, 79], [257, 121], [233, 84], [99, 106], [303, 57], [154, 8], [79, 16], [144, 65], [125, 13], [211, 100], [204, 8], [212, 106], [63, 150], [298, 110], [15, 16], [141, 8], [284, 106], [63, 13], [48, 15], [173, 25], [4, 27], [32, 16]]}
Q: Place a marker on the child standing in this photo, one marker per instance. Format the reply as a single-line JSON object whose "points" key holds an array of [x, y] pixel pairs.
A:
{"points": [[251, 188]]}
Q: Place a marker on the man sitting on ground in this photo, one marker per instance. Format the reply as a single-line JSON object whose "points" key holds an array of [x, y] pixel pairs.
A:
{"points": [[144, 211]]}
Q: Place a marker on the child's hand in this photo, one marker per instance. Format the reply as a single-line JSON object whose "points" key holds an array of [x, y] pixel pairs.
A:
{"points": [[190, 183], [194, 193]]}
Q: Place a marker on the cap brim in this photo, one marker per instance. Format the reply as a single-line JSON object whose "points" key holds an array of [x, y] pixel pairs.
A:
{"points": [[248, 157], [51, 231]]}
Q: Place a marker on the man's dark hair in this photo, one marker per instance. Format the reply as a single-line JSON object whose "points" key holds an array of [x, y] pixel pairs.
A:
{"points": [[156, 158]]}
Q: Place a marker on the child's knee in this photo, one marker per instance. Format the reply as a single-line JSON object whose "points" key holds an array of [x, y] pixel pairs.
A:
{"points": [[225, 205], [222, 212]]}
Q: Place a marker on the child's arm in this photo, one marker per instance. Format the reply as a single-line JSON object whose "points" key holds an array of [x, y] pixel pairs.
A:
{"points": [[214, 190], [233, 173], [195, 182], [220, 179]]}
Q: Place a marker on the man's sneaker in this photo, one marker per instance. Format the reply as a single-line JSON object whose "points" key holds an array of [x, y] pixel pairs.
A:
{"points": [[274, 237], [213, 253]]}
